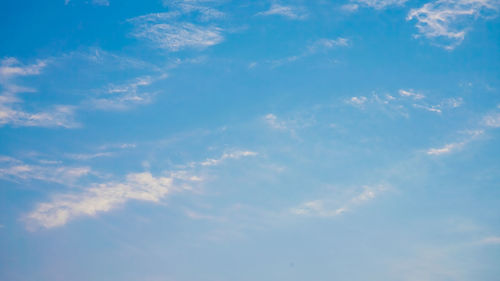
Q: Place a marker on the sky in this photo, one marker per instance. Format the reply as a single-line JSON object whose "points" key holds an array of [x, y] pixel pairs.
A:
{"points": [[218, 140]]}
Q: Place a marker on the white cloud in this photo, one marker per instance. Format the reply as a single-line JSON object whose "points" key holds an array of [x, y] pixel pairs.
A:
{"points": [[402, 102], [327, 208], [326, 44], [350, 7], [492, 120], [89, 156], [357, 100], [448, 148], [452, 147], [411, 93], [10, 110], [100, 2], [449, 20], [122, 97], [118, 146], [163, 31], [291, 124], [11, 67], [274, 123], [15, 169], [320, 45], [376, 4], [228, 155], [94, 2], [99, 198], [294, 13], [198, 216], [431, 108], [204, 12], [449, 103], [58, 116], [104, 197], [492, 240]]}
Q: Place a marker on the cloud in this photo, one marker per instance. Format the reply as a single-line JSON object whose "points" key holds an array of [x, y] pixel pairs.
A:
{"points": [[452, 147], [195, 6], [293, 13], [103, 197], [350, 7], [492, 120], [89, 156], [448, 148], [402, 102], [449, 20], [411, 93], [166, 33], [100, 2], [324, 44], [118, 146], [11, 112], [492, 240], [99, 198], [358, 101], [290, 125], [14, 169], [124, 96], [58, 116], [327, 208], [94, 2], [230, 155], [273, 122], [320, 45], [376, 4], [11, 67]]}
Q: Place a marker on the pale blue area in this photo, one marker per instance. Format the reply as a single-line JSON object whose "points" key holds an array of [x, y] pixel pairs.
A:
{"points": [[268, 87]]}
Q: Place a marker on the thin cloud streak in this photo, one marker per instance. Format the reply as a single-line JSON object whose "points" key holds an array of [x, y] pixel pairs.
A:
{"points": [[375, 4], [103, 197], [324, 208], [14, 170], [10, 109], [290, 12], [448, 21], [99, 198]]}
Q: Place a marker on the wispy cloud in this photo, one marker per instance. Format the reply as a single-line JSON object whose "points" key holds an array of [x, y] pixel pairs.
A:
{"points": [[89, 156], [290, 12], [94, 2], [14, 170], [324, 44], [321, 45], [205, 12], [103, 197], [406, 99], [448, 148], [10, 110], [330, 208], [99, 198], [290, 125], [376, 4], [165, 31], [455, 146], [449, 20], [411, 93], [274, 123], [100, 2], [228, 155], [124, 96], [492, 240], [492, 120]]}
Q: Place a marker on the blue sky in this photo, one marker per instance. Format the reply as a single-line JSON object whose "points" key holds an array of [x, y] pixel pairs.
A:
{"points": [[217, 140]]}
